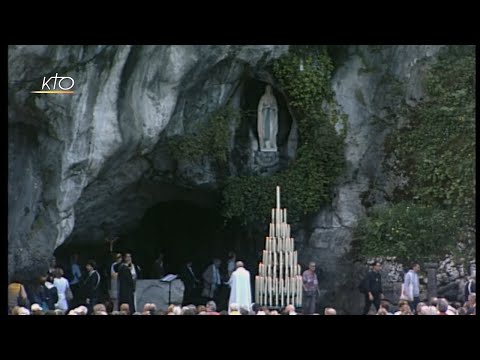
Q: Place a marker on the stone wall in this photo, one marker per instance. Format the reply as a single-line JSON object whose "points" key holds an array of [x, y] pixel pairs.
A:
{"points": [[451, 277]]}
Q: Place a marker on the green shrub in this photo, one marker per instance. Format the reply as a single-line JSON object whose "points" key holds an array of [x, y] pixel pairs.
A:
{"points": [[436, 152]]}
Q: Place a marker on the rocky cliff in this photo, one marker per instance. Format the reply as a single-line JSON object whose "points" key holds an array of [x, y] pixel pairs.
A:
{"points": [[88, 165]]}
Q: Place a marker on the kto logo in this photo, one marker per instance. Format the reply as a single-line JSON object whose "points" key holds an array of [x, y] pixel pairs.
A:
{"points": [[64, 83]]}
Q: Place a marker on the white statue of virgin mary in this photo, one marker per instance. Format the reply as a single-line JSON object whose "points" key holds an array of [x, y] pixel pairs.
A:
{"points": [[267, 124]]}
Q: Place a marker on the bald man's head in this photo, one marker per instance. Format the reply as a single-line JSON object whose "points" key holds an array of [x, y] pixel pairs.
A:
{"points": [[239, 264], [330, 311]]}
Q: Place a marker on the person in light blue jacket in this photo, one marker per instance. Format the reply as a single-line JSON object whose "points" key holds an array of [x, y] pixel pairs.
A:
{"points": [[411, 286]]}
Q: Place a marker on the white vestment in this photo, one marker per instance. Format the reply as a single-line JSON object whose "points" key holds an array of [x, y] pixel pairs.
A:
{"points": [[240, 288]]}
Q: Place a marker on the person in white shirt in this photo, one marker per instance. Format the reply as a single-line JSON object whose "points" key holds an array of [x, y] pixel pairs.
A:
{"points": [[62, 286]]}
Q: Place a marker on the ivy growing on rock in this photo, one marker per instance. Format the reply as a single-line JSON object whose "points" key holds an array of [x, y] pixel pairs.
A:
{"points": [[211, 139], [306, 184], [435, 212]]}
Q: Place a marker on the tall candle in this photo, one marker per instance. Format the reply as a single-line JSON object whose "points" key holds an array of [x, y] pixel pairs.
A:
{"points": [[294, 281], [299, 269], [278, 197], [285, 215], [287, 281], [274, 259], [292, 290], [273, 216], [274, 244], [295, 254], [280, 269], [286, 261], [260, 289], [297, 289], [269, 290], [275, 286], [264, 287]]}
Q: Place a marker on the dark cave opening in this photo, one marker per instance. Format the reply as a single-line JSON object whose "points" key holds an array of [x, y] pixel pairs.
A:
{"points": [[180, 229]]}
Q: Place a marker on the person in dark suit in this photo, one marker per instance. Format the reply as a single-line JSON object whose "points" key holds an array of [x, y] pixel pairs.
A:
{"points": [[191, 283], [128, 273], [91, 285], [374, 292]]}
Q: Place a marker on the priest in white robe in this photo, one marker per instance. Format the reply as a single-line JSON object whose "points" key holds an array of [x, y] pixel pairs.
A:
{"points": [[240, 288]]}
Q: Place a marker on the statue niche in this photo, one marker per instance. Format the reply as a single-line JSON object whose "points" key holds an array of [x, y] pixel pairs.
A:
{"points": [[267, 123]]}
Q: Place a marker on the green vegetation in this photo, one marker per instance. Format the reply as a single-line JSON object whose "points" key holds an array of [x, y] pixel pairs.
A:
{"points": [[307, 182], [435, 213], [211, 138]]}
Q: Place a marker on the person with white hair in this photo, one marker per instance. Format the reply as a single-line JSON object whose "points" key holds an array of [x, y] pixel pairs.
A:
{"points": [[233, 309], [23, 311], [240, 287], [330, 311]]}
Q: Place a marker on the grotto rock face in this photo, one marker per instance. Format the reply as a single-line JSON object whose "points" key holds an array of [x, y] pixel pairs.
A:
{"points": [[370, 86], [93, 162], [88, 165]]}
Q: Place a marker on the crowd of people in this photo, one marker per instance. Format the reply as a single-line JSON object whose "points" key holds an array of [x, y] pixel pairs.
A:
{"points": [[216, 292]]}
